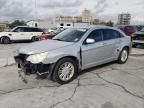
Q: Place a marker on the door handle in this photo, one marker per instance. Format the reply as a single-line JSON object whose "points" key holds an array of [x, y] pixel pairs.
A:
{"points": [[10, 34]]}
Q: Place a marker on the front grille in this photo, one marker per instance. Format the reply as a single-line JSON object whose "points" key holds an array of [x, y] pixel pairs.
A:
{"points": [[138, 37]]}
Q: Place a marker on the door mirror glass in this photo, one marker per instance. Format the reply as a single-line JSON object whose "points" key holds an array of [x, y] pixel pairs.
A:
{"points": [[90, 41]]}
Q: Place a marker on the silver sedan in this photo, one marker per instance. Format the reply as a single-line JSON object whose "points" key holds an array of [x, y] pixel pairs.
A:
{"points": [[73, 50]]}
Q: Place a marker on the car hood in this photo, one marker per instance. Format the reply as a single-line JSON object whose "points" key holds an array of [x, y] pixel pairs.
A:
{"points": [[43, 46], [3, 33]]}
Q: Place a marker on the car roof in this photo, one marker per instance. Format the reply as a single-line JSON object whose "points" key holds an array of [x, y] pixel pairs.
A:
{"points": [[100, 27], [26, 27]]}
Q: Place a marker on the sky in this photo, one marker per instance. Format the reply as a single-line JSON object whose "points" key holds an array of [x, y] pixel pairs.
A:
{"points": [[11, 10]]}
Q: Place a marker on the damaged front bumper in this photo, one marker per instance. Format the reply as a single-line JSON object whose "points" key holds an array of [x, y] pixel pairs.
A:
{"points": [[27, 68]]}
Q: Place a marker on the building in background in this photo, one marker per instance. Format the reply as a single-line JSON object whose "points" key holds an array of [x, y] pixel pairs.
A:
{"points": [[4, 26], [78, 19], [124, 19], [64, 21], [40, 24], [74, 21], [69, 22], [84, 20], [87, 16], [64, 18]]}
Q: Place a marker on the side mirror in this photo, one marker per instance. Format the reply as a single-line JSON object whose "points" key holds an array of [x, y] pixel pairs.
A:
{"points": [[90, 41]]}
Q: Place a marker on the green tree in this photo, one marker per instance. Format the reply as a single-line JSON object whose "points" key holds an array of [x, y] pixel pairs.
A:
{"points": [[17, 23], [110, 23]]}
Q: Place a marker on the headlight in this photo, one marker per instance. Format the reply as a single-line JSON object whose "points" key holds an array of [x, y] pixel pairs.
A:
{"points": [[133, 35], [37, 58]]}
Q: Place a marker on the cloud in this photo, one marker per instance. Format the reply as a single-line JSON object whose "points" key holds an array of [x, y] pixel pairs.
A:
{"points": [[109, 17], [60, 4], [14, 10], [47, 9], [100, 6], [141, 3], [68, 12], [2, 3]]}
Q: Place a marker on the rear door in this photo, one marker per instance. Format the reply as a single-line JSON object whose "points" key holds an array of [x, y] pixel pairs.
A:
{"points": [[31, 32], [111, 43], [28, 33], [37, 32]]}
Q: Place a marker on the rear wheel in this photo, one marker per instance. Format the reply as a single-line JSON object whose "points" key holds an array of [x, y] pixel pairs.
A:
{"points": [[123, 56], [65, 71], [134, 45], [5, 40], [34, 38]]}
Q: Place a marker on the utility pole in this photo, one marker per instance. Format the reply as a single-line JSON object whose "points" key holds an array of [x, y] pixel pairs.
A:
{"points": [[36, 17]]}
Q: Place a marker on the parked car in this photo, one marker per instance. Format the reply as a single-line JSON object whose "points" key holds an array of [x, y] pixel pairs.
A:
{"points": [[128, 30], [138, 38], [56, 30], [49, 35], [20, 33], [140, 27], [46, 36], [73, 50]]}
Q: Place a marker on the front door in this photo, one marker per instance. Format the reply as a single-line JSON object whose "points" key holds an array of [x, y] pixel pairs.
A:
{"points": [[18, 34], [92, 53]]}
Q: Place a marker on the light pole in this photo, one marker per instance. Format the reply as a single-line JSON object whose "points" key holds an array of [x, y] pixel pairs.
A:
{"points": [[35, 10]]}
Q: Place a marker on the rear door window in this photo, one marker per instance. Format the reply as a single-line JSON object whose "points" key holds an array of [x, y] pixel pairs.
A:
{"points": [[19, 29], [37, 30], [27, 29], [109, 34], [33, 30]]}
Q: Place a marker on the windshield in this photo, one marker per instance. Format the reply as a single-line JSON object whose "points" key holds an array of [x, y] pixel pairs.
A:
{"points": [[70, 35], [13, 29], [142, 29]]}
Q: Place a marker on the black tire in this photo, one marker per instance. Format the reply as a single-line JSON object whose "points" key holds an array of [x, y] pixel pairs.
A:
{"points": [[0, 40], [134, 45], [120, 59], [34, 38], [5, 40], [56, 76]]}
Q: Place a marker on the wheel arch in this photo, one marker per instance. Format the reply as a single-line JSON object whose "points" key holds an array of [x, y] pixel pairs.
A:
{"points": [[71, 57], [52, 66], [4, 37], [126, 47]]}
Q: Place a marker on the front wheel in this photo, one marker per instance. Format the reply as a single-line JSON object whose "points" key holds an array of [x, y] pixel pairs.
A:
{"points": [[5, 40], [65, 71], [123, 56]]}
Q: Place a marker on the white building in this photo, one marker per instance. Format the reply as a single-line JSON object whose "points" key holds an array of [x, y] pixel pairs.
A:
{"points": [[40, 24], [69, 22], [87, 16], [124, 19], [64, 21]]}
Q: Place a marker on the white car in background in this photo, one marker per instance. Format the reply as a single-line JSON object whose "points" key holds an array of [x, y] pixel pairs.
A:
{"points": [[20, 33], [56, 30]]}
